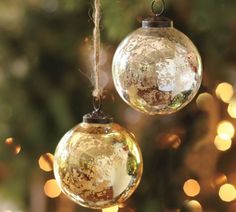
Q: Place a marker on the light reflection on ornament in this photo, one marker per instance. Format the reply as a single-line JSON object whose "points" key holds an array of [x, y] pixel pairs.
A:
{"points": [[227, 193], [222, 142], [226, 128], [46, 162], [232, 109], [51, 189], [225, 92], [191, 188], [112, 209]]}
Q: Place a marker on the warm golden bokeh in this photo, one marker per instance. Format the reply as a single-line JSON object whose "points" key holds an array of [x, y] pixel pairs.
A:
{"points": [[227, 193], [225, 92], [222, 142], [51, 189], [219, 180], [226, 128], [9, 141], [203, 100], [112, 209], [168, 140], [46, 162], [17, 149], [191, 188], [232, 109], [14, 147], [194, 206]]}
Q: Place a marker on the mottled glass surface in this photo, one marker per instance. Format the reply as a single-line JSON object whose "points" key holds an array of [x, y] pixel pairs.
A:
{"points": [[98, 165], [157, 70]]}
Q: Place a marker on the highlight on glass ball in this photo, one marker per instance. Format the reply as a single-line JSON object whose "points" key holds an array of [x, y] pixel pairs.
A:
{"points": [[98, 165], [157, 69]]}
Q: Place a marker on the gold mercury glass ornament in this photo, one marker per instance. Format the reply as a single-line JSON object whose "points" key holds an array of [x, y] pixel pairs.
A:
{"points": [[98, 163], [157, 69]]}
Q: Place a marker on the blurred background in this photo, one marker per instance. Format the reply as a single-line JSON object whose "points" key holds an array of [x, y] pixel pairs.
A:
{"points": [[45, 54]]}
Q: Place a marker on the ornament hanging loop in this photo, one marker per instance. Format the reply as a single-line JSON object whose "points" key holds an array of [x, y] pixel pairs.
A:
{"points": [[97, 103], [158, 7]]}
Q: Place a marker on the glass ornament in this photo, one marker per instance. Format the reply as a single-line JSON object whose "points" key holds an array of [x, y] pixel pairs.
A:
{"points": [[98, 164], [157, 69]]}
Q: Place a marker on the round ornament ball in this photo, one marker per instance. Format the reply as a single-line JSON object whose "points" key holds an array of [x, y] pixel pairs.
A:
{"points": [[157, 69], [98, 164]]}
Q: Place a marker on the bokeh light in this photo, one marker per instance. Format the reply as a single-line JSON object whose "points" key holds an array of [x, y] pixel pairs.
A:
{"points": [[112, 209], [17, 149], [51, 189], [9, 141], [232, 109], [193, 206], [219, 180], [226, 128], [191, 188], [203, 100], [225, 92], [168, 140], [14, 147], [222, 142], [46, 162], [227, 193]]}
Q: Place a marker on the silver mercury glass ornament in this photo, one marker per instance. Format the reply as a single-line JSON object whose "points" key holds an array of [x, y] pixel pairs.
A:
{"points": [[98, 163], [157, 69]]}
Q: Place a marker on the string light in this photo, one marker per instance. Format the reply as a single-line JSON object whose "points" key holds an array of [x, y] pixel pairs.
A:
{"points": [[222, 142], [191, 188], [227, 193], [226, 128], [225, 92], [51, 189], [112, 209], [46, 162]]}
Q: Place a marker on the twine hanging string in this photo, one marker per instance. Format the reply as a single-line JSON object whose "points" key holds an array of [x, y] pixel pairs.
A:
{"points": [[97, 92]]}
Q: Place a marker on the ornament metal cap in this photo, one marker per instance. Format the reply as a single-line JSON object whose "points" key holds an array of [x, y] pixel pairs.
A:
{"points": [[97, 117], [157, 22]]}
